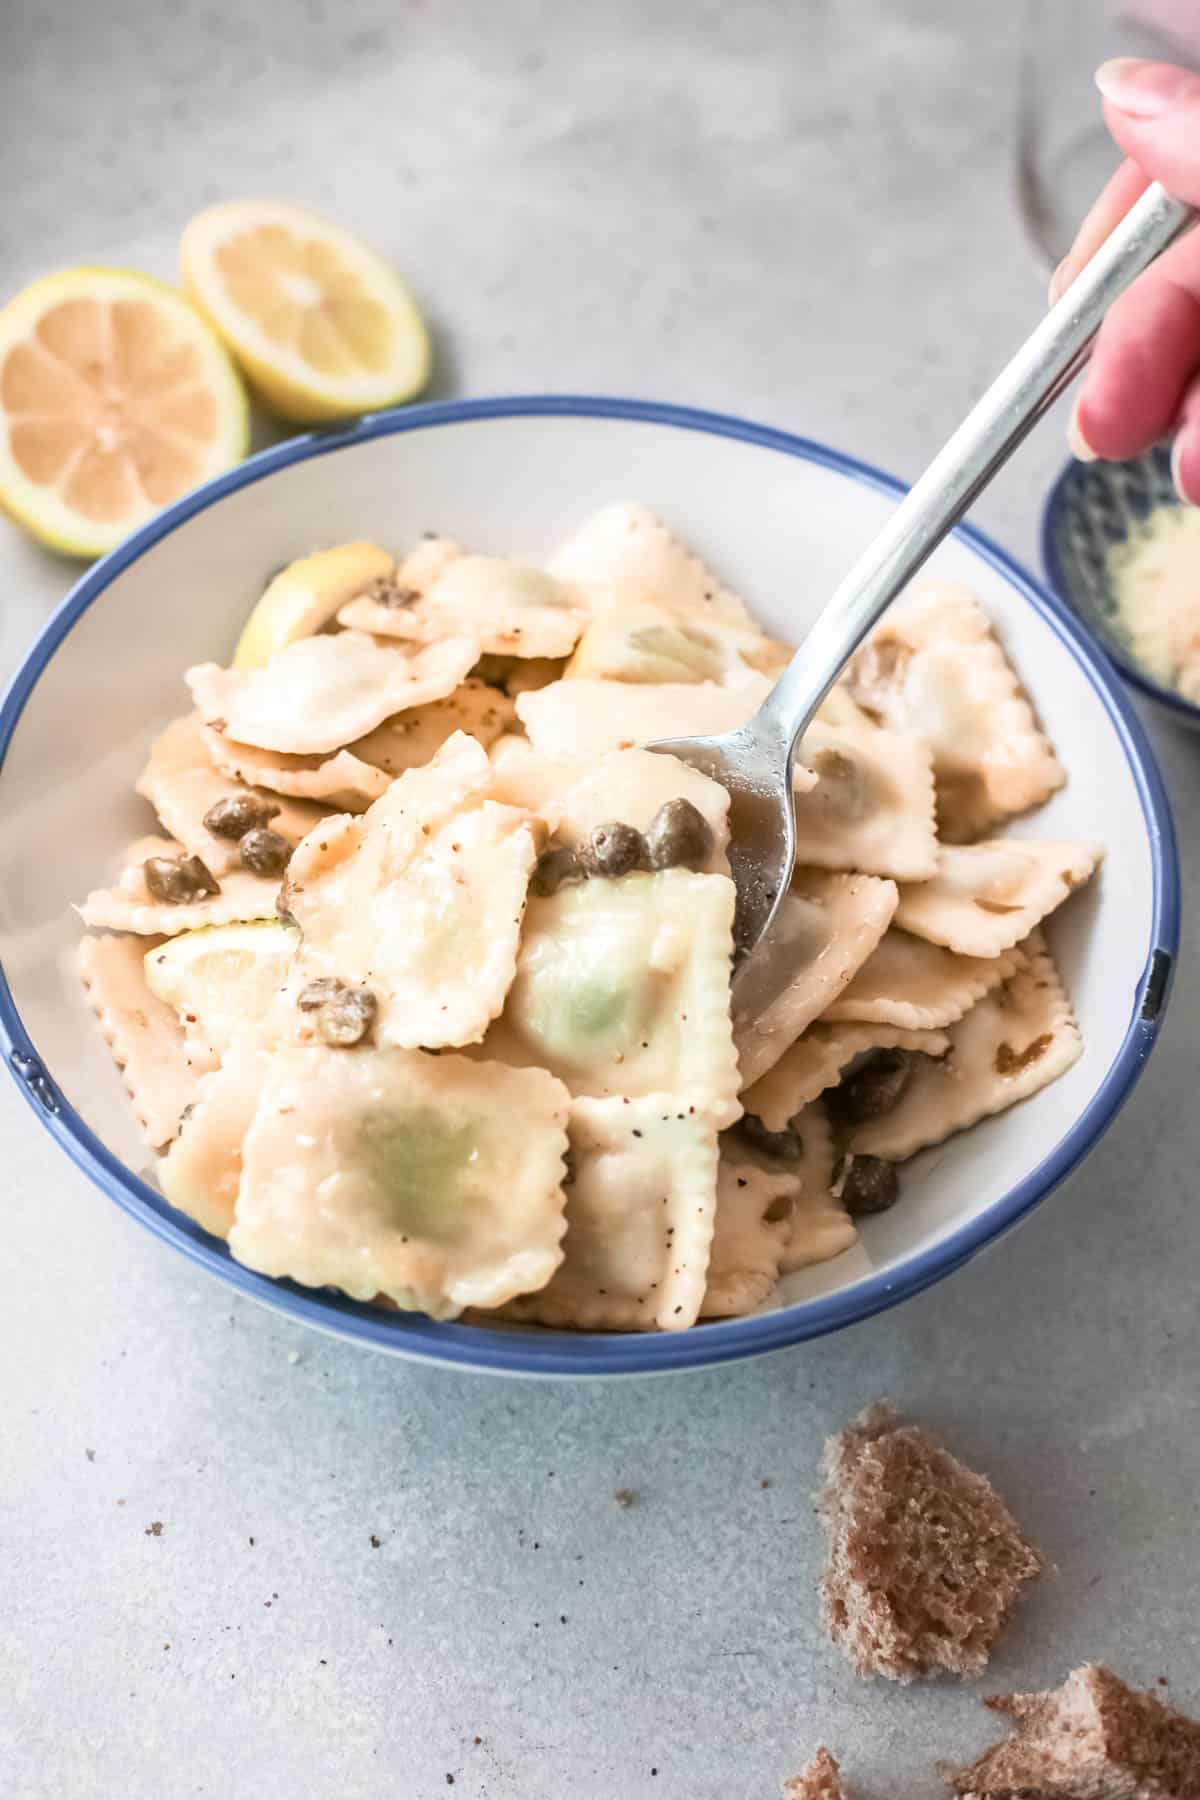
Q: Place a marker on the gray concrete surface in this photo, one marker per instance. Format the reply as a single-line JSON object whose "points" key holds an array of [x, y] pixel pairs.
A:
{"points": [[239, 1560]]}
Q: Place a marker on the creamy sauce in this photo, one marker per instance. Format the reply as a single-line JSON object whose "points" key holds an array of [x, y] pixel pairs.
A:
{"points": [[1156, 577]]}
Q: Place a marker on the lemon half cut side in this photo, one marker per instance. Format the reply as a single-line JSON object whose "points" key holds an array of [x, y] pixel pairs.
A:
{"points": [[321, 325], [115, 399]]}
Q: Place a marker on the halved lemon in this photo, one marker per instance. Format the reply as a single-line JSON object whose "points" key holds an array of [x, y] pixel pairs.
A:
{"points": [[115, 398], [321, 325]]}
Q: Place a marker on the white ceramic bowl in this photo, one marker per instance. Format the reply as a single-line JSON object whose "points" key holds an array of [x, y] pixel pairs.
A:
{"points": [[780, 518]]}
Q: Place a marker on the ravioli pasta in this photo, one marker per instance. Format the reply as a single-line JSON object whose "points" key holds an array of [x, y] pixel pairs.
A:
{"points": [[422, 898], [508, 608], [428, 1195], [622, 988], [129, 904], [984, 898], [323, 692], [1019, 1038], [750, 1235], [423, 988], [935, 668], [182, 783], [640, 1214], [816, 1060]]}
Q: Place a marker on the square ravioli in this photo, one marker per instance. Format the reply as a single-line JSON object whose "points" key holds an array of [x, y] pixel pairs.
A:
{"points": [[574, 794], [348, 780], [393, 1172], [647, 643], [821, 1228], [420, 900], [202, 1171], [917, 985], [623, 556], [182, 782], [872, 809], [828, 927], [986, 897], [817, 1225], [816, 1061], [509, 609], [339, 780], [934, 668], [623, 987], [579, 718], [640, 1209], [321, 693], [750, 1234], [160, 1068], [1016, 1040], [130, 906]]}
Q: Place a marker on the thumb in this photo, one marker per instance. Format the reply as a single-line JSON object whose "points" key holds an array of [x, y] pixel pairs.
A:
{"points": [[1153, 111]]}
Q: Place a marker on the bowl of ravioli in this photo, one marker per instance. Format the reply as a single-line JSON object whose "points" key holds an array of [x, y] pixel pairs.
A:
{"points": [[354, 944]]}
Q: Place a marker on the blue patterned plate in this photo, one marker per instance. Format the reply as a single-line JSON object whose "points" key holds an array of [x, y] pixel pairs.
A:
{"points": [[1093, 507]]}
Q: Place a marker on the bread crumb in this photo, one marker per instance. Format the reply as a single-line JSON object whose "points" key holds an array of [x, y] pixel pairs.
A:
{"points": [[926, 1562], [1093, 1736], [821, 1779]]}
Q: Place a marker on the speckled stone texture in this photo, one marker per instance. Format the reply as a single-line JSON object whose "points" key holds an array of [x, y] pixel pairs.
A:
{"points": [[370, 1578]]}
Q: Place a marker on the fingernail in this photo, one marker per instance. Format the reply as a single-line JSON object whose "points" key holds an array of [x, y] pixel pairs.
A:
{"points": [[1144, 90], [1078, 445], [1186, 479]]}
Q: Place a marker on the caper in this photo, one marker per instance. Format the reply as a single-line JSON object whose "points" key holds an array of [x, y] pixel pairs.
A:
{"points": [[315, 993], [236, 814], [784, 1145], [265, 852], [347, 1017], [679, 835], [872, 1089], [612, 849], [178, 879], [554, 869], [868, 1185]]}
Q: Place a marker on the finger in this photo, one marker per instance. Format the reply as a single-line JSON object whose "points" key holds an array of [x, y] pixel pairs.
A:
{"points": [[1127, 185], [1185, 451], [1153, 111], [1146, 354]]}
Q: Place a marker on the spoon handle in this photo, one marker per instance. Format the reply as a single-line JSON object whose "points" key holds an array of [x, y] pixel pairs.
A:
{"points": [[991, 431]]}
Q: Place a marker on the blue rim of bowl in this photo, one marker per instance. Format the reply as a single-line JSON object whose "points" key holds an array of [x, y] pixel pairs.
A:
{"points": [[547, 1352], [1063, 589]]}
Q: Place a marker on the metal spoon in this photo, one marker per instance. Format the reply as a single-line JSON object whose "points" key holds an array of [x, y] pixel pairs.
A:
{"points": [[755, 762]]}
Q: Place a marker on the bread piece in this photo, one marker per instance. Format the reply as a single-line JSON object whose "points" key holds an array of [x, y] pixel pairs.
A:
{"points": [[925, 1560], [1091, 1739], [818, 1780]]}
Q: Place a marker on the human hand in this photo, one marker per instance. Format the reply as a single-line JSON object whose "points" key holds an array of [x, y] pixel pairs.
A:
{"points": [[1144, 378]]}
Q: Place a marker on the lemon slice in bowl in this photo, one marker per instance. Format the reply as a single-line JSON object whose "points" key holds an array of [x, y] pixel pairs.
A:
{"points": [[321, 325], [221, 977], [305, 596], [115, 398]]}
